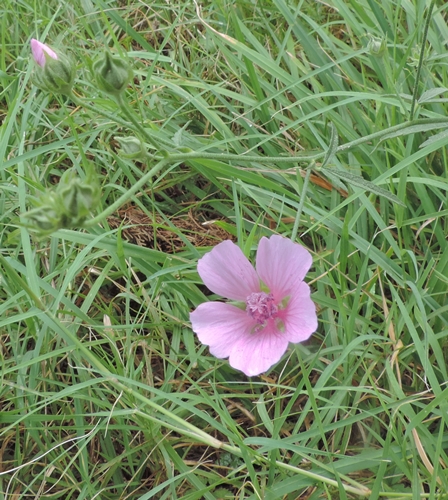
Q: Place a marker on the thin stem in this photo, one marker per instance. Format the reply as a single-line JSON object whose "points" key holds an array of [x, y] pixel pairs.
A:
{"points": [[201, 155], [173, 157], [125, 197], [420, 61], [295, 229]]}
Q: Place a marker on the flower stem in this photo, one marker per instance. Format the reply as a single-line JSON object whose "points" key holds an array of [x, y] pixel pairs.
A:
{"points": [[201, 155], [173, 157], [182, 156]]}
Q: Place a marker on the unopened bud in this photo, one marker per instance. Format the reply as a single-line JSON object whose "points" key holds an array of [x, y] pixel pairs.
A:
{"points": [[414, 57], [77, 197], [131, 147], [67, 205], [44, 219], [112, 74], [376, 46]]}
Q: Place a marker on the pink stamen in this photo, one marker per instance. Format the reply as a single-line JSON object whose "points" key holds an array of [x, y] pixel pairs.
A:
{"points": [[260, 306]]}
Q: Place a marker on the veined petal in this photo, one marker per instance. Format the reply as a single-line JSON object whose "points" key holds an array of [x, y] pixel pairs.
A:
{"points": [[220, 326], [299, 316], [257, 352], [226, 271], [282, 264]]}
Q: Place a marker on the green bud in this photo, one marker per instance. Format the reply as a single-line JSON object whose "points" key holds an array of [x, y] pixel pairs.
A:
{"points": [[414, 57], [78, 200], [376, 46], [131, 147], [43, 219], [67, 205], [112, 74], [76, 197]]}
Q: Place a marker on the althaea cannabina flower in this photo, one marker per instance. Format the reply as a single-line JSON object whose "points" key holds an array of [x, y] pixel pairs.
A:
{"points": [[276, 304]]}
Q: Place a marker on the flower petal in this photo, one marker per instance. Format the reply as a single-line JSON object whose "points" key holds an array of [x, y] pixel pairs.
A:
{"points": [[299, 316], [226, 271], [38, 49], [257, 352], [282, 264], [220, 326]]}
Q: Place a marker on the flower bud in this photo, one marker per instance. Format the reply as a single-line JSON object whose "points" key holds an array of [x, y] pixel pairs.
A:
{"points": [[55, 72], [414, 56], [131, 147], [77, 198], [43, 219], [67, 205], [376, 46], [112, 74]]}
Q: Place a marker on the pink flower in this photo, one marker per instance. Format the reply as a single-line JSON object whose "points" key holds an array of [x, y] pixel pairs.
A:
{"points": [[39, 50], [276, 307]]}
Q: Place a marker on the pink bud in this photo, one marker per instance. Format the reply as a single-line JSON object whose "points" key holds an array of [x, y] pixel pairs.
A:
{"points": [[38, 49]]}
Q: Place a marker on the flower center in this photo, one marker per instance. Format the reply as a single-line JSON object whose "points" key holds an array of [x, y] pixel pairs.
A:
{"points": [[260, 306]]}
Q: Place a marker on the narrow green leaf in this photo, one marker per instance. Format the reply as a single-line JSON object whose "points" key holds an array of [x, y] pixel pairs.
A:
{"points": [[413, 129], [332, 147], [431, 93], [434, 138], [360, 182]]}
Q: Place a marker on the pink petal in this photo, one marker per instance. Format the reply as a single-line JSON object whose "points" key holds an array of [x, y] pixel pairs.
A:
{"points": [[226, 271], [299, 317], [220, 326], [257, 352], [282, 264], [39, 49]]}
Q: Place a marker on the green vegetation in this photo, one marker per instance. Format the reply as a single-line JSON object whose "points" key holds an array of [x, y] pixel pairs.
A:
{"points": [[267, 117]]}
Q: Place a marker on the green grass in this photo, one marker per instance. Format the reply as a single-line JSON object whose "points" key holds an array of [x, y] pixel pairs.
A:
{"points": [[105, 391]]}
